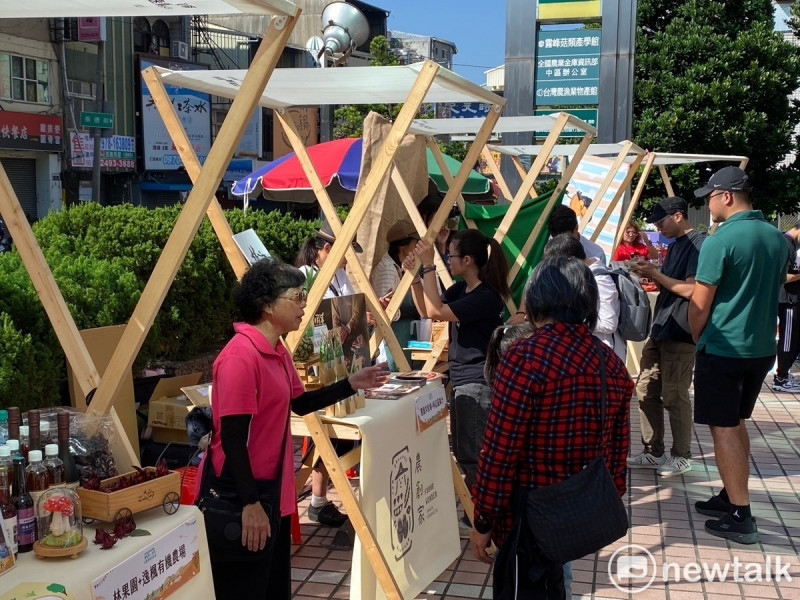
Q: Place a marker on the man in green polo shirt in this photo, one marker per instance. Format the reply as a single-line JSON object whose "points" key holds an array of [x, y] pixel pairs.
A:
{"points": [[732, 314]]}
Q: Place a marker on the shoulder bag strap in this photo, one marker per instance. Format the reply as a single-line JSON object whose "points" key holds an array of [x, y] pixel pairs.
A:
{"points": [[603, 389]]}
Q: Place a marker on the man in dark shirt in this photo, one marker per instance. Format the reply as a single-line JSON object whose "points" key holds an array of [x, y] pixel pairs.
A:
{"points": [[665, 374], [789, 318]]}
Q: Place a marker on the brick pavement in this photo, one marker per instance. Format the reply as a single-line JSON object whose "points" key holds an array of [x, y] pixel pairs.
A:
{"points": [[663, 522]]}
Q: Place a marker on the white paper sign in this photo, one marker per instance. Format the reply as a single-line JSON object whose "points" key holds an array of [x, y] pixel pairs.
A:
{"points": [[157, 570], [251, 246], [431, 406]]}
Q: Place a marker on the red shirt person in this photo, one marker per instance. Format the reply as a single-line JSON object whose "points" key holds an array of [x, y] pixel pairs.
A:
{"points": [[633, 244]]}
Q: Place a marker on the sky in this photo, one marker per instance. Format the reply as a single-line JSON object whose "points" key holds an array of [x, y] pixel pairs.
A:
{"points": [[476, 28]]}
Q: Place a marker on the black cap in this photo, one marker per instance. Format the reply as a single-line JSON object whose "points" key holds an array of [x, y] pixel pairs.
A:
{"points": [[729, 179], [326, 233], [668, 206]]}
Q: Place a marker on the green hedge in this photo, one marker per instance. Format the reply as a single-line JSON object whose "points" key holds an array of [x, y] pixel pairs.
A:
{"points": [[101, 258]]}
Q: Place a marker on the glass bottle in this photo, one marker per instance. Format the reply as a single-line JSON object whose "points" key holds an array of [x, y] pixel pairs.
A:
{"points": [[23, 503], [6, 461], [7, 510], [14, 420], [54, 466], [3, 426], [71, 476], [36, 479], [59, 511], [46, 437], [24, 441], [34, 430]]}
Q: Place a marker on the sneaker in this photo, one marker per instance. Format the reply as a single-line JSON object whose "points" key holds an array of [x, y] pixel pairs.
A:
{"points": [[788, 384], [713, 507], [675, 465], [327, 514], [464, 530], [744, 532], [645, 460]]}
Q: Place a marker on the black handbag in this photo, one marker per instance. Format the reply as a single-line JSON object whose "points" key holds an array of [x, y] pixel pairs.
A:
{"points": [[580, 515], [222, 513]]}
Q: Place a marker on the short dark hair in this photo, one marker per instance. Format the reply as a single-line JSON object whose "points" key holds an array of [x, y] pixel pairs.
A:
{"points": [[261, 285], [562, 289], [562, 220], [564, 245]]}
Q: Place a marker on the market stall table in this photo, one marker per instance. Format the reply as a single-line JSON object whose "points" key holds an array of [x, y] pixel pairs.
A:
{"points": [[187, 535]]}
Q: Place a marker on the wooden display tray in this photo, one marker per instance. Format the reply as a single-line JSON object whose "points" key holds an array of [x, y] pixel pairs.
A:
{"points": [[162, 491], [304, 370]]}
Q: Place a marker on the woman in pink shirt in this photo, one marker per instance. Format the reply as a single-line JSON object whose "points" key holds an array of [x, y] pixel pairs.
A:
{"points": [[255, 385]]}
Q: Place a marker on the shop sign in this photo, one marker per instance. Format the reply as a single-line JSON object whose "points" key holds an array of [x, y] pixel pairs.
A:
{"points": [[568, 9], [26, 131], [116, 152], [194, 112], [567, 67]]}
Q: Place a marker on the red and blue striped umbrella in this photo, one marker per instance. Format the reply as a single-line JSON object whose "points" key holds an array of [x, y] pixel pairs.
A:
{"points": [[337, 163]]}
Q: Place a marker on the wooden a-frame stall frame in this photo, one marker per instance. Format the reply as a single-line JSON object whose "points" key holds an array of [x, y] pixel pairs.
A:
{"points": [[554, 124], [104, 390], [427, 82]]}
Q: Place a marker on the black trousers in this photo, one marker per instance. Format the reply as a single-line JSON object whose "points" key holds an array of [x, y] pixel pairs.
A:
{"points": [[268, 579], [788, 337]]}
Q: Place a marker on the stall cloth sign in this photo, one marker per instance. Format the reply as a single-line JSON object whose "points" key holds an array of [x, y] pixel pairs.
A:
{"points": [[156, 571]]}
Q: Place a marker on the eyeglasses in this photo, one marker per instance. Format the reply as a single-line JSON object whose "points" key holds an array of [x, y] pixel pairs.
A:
{"points": [[298, 297], [456, 255], [711, 194], [660, 222]]}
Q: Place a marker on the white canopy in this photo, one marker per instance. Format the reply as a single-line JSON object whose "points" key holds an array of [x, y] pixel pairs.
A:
{"points": [[128, 8], [504, 125], [566, 149], [672, 158], [354, 85]]}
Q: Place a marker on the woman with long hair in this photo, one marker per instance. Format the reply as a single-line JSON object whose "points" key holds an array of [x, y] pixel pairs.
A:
{"points": [[473, 307], [634, 243]]}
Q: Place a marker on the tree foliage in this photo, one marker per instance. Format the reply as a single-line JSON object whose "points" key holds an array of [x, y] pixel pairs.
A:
{"points": [[714, 78]]}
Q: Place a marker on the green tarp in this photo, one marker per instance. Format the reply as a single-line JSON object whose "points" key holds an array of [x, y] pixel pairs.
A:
{"points": [[476, 183], [488, 219]]}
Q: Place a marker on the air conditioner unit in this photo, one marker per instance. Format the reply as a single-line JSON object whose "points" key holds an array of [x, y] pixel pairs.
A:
{"points": [[180, 50]]}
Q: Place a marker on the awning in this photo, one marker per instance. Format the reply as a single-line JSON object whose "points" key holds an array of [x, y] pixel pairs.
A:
{"points": [[30, 9], [159, 186]]}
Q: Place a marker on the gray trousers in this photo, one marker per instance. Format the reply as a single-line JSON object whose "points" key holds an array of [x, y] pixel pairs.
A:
{"points": [[469, 413]]}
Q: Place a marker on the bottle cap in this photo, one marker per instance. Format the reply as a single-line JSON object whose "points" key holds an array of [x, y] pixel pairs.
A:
{"points": [[13, 445], [35, 456], [24, 430], [3, 415], [5, 450], [51, 450], [44, 426]]}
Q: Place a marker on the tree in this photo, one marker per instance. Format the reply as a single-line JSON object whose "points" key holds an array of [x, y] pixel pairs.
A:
{"points": [[714, 78], [349, 119]]}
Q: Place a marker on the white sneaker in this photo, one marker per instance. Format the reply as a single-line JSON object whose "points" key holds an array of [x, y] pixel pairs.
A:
{"points": [[645, 460], [675, 465], [785, 385]]}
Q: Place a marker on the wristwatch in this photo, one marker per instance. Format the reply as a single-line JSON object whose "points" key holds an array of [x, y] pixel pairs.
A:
{"points": [[482, 525]]}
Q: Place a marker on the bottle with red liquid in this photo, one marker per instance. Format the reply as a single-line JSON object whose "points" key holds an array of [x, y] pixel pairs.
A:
{"points": [[71, 475], [34, 430], [54, 466], [14, 421], [7, 510], [37, 480], [24, 442], [23, 503]]}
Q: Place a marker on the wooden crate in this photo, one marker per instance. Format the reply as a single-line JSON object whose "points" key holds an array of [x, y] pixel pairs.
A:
{"points": [[106, 506], [306, 372]]}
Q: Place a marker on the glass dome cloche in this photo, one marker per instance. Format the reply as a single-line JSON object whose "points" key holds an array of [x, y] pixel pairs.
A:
{"points": [[60, 525]]}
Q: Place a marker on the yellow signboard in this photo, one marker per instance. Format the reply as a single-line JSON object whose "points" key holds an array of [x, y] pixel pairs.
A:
{"points": [[568, 9]]}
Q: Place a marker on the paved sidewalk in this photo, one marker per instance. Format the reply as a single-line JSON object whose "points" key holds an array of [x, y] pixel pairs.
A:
{"points": [[663, 522]]}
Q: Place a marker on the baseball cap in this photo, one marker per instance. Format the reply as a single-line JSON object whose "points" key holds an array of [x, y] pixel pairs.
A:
{"points": [[668, 206], [401, 230], [729, 179], [326, 233]]}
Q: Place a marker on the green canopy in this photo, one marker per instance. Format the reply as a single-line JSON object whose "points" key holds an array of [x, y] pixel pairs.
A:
{"points": [[488, 219], [476, 183]]}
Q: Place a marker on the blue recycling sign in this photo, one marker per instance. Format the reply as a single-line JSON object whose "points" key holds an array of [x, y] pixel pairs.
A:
{"points": [[567, 67]]}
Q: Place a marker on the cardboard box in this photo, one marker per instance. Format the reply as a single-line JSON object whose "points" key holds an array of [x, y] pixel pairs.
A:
{"points": [[169, 404]]}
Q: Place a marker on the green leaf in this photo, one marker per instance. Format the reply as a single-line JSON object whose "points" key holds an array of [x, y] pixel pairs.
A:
{"points": [[139, 533]]}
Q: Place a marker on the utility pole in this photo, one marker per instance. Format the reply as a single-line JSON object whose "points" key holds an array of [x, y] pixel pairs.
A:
{"points": [[96, 131]]}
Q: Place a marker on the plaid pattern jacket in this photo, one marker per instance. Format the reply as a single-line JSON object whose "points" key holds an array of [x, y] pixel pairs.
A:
{"points": [[544, 420]]}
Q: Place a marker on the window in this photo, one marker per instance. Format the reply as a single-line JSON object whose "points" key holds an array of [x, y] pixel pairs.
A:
{"points": [[25, 79]]}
